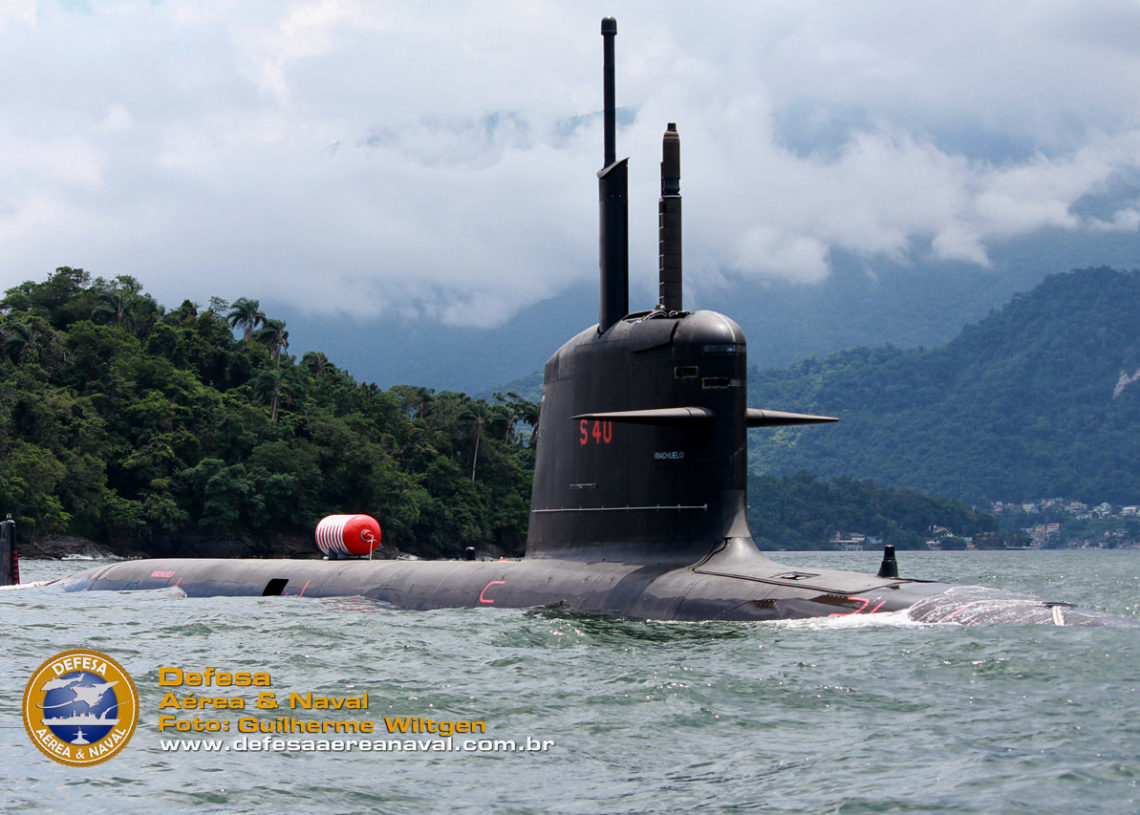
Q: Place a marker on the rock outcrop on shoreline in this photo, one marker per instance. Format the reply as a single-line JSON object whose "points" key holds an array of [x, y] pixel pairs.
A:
{"points": [[60, 546]]}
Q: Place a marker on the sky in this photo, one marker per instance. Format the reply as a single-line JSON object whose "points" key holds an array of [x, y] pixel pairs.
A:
{"points": [[373, 160]]}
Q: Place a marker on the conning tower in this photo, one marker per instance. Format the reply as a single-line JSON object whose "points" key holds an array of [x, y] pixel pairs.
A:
{"points": [[642, 451]]}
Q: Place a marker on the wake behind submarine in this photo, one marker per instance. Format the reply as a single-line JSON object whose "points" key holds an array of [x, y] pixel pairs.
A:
{"points": [[638, 506]]}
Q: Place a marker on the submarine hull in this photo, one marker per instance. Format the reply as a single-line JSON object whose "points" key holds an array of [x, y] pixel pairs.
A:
{"points": [[736, 582], [730, 584]]}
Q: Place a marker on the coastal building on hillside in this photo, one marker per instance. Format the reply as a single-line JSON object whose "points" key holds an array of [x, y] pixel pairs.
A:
{"points": [[1041, 535], [848, 542]]}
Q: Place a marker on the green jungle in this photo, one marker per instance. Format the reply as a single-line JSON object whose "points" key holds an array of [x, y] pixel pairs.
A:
{"points": [[161, 432]]}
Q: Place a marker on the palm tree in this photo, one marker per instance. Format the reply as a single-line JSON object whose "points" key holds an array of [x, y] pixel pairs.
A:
{"points": [[520, 410], [32, 339], [273, 334], [247, 314], [21, 338], [274, 383], [317, 363], [478, 413], [117, 305], [414, 401]]}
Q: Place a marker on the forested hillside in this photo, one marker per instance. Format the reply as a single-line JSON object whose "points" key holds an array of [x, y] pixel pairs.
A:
{"points": [[161, 431], [1036, 400], [803, 512], [194, 431]]}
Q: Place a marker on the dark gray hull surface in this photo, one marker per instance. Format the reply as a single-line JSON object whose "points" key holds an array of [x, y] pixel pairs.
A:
{"points": [[735, 583]]}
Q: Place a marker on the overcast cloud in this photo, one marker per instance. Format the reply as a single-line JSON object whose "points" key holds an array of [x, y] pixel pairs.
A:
{"points": [[398, 158]]}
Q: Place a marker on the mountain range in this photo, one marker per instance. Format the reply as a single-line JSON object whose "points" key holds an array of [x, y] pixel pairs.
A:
{"points": [[977, 384], [1037, 399], [906, 303]]}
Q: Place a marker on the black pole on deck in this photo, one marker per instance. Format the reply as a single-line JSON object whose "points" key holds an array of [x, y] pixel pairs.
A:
{"points": [[889, 567]]}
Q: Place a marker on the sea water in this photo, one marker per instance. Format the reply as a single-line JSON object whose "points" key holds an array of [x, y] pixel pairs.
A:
{"points": [[840, 715]]}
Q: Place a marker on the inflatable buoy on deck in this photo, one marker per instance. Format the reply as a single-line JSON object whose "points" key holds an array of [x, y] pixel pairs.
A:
{"points": [[357, 535]]}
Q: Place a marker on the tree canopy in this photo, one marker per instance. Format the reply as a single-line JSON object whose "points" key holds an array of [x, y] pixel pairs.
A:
{"points": [[155, 430]]}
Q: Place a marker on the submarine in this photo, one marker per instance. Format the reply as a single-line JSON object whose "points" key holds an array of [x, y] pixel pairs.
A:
{"points": [[638, 506]]}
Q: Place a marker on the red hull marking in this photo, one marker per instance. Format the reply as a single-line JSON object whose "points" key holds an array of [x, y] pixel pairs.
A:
{"points": [[483, 594], [956, 612], [161, 574], [301, 593], [598, 432], [866, 601]]}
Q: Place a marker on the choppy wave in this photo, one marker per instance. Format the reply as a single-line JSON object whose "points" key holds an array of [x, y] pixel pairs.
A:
{"points": [[857, 714]]}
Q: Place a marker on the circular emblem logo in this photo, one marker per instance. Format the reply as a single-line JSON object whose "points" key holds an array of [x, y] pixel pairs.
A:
{"points": [[80, 708]]}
